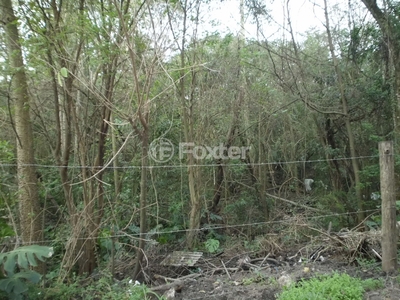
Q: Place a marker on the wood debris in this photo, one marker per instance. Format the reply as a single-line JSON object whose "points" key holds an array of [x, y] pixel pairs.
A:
{"points": [[182, 258]]}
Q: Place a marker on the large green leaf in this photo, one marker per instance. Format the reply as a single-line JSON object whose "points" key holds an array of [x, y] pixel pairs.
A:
{"points": [[24, 257], [16, 285]]}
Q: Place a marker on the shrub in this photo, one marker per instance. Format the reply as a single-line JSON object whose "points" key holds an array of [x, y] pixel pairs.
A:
{"points": [[105, 287], [333, 287], [23, 258]]}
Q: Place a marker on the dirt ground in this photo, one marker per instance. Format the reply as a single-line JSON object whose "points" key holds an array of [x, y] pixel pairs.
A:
{"points": [[237, 274]]}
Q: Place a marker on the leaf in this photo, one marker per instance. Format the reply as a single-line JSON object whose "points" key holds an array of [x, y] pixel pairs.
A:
{"points": [[31, 259], [22, 262], [64, 72], [212, 245], [16, 285], [30, 275], [24, 257], [4, 285], [9, 266]]}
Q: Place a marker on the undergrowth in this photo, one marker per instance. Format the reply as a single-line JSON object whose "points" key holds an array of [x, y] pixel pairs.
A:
{"points": [[105, 288], [332, 287]]}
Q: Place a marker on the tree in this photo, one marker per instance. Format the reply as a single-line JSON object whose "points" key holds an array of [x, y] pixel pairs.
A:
{"points": [[185, 87], [345, 110], [388, 22], [29, 207]]}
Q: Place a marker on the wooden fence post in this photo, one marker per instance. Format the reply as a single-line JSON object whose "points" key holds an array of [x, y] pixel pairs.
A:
{"points": [[389, 232]]}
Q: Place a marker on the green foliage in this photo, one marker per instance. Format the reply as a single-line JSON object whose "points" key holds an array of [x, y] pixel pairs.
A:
{"points": [[252, 245], [6, 175], [333, 202], [6, 152], [369, 264], [24, 257], [238, 208], [14, 284], [211, 245], [333, 287], [215, 71], [105, 241], [372, 284], [5, 229], [104, 288], [63, 73], [6, 189], [126, 290], [376, 220], [257, 278], [169, 234]]}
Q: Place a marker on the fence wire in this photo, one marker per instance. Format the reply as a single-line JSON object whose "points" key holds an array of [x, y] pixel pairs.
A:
{"points": [[213, 227], [166, 166], [149, 234]]}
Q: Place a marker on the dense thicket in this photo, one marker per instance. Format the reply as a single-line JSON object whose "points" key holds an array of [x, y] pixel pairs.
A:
{"points": [[107, 78]]}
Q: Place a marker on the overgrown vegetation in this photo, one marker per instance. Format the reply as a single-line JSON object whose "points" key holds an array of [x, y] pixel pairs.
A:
{"points": [[334, 287], [131, 128], [106, 287], [17, 272]]}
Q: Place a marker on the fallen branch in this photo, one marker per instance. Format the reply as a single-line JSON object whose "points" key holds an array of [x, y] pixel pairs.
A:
{"points": [[175, 281], [224, 269], [227, 273], [294, 203], [376, 253], [328, 235], [270, 260]]}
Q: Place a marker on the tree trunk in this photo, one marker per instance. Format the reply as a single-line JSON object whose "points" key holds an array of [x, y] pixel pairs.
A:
{"points": [[29, 206], [188, 120], [389, 26], [140, 123], [345, 110], [142, 202], [265, 204], [117, 186]]}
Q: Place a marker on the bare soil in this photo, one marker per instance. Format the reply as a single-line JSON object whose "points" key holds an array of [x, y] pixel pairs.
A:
{"points": [[237, 274]]}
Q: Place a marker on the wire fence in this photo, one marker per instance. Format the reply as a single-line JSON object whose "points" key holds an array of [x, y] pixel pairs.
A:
{"points": [[151, 233], [138, 236], [2, 164]]}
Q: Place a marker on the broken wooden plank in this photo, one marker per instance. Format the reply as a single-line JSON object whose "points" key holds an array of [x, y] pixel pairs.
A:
{"points": [[182, 258]]}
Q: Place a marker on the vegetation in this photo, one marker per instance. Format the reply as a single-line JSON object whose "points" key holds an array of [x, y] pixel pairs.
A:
{"points": [[104, 288], [335, 287], [13, 283], [131, 126]]}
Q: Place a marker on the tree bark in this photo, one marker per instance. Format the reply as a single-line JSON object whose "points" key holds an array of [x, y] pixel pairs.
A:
{"points": [[389, 232], [29, 206]]}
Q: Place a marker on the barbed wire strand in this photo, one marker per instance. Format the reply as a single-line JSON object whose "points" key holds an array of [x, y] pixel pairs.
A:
{"points": [[186, 165], [214, 227]]}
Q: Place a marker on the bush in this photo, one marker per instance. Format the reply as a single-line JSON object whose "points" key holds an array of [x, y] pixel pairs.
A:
{"points": [[17, 269], [333, 287], [104, 288]]}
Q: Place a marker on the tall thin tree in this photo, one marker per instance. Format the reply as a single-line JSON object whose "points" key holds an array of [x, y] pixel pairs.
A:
{"points": [[29, 208]]}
